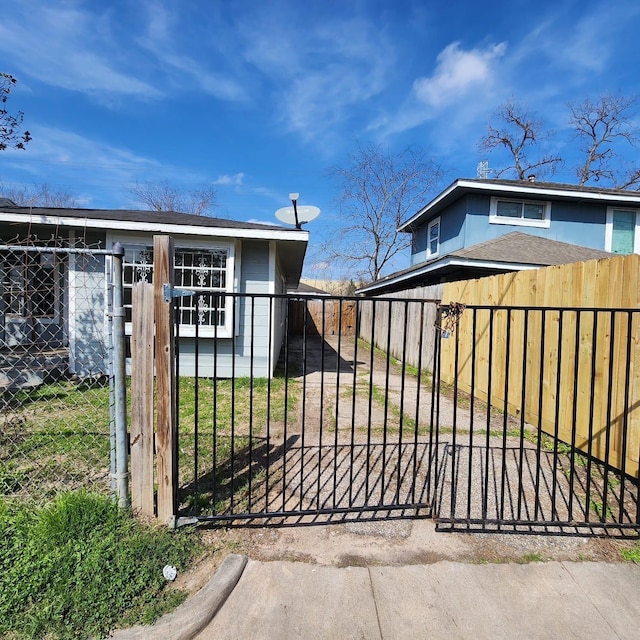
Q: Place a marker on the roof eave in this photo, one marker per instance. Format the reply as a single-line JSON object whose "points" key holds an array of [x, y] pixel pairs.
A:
{"points": [[466, 185], [156, 227], [449, 262]]}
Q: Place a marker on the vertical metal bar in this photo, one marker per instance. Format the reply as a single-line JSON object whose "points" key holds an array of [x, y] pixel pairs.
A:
{"points": [[214, 406], [322, 367], [304, 398], [232, 461], [487, 452], [543, 332], [474, 342], [523, 406], [353, 399], [337, 407], [403, 376], [574, 415], [434, 426], [287, 342], [270, 365], [416, 428], [594, 350], [120, 379], [505, 414], [625, 417], [385, 423], [251, 300], [556, 426], [196, 412], [607, 446], [454, 435], [370, 413]]}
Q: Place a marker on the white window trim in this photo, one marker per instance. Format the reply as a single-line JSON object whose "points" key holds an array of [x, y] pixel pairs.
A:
{"points": [[188, 330], [494, 218], [433, 223], [608, 229]]}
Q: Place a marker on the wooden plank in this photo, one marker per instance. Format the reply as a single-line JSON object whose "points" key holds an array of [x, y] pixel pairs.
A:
{"points": [[163, 256], [142, 498]]}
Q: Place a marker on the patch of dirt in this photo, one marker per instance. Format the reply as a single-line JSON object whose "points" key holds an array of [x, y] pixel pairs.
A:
{"points": [[390, 543]]}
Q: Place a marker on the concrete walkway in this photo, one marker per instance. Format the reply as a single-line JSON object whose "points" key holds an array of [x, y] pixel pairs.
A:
{"points": [[287, 601]]}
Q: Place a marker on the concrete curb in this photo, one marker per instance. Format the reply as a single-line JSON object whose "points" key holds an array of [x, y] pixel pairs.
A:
{"points": [[196, 612]]}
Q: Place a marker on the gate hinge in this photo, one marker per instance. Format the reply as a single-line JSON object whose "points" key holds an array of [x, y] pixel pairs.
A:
{"points": [[169, 292]]}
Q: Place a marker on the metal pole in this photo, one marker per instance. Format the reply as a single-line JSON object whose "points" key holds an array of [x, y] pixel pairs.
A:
{"points": [[120, 379]]}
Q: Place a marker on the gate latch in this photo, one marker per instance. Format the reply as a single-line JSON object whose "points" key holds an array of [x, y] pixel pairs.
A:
{"points": [[169, 292]]}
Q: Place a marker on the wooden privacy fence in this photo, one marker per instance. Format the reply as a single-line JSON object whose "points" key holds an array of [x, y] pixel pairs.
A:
{"points": [[402, 323], [323, 316], [562, 345]]}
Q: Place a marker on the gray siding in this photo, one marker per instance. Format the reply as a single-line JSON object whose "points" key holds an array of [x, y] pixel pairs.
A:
{"points": [[248, 353]]}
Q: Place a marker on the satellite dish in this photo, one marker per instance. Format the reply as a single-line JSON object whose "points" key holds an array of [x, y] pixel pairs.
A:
{"points": [[305, 213], [297, 215]]}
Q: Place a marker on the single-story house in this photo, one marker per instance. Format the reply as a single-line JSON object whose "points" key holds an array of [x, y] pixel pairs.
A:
{"points": [[55, 295]]}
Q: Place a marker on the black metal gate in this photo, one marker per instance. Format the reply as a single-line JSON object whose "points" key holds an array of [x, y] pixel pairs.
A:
{"points": [[545, 421], [506, 419], [327, 425]]}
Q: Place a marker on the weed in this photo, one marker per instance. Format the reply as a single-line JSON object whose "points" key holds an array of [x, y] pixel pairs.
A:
{"points": [[530, 557], [632, 555], [81, 566]]}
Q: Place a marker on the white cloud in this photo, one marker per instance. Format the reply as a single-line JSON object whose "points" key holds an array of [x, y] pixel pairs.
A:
{"points": [[225, 180], [457, 73], [65, 47], [320, 73]]}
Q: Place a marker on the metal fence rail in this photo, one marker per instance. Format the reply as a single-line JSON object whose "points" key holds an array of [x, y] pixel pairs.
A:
{"points": [[56, 369]]}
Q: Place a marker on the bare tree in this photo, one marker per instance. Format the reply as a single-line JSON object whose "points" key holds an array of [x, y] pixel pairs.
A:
{"points": [[42, 195], [519, 132], [378, 190], [599, 126], [162, 196], [10, 135]]}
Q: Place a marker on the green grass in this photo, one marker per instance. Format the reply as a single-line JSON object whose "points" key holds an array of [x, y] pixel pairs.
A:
{"points": [[80, 567], [632, 555]]}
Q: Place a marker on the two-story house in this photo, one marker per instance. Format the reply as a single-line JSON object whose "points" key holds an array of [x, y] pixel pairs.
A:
{"points": [[478, 227]]}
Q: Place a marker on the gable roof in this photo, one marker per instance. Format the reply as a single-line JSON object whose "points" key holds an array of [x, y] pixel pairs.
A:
{"points": [[292, 242], [519, 188], [513, 251]]}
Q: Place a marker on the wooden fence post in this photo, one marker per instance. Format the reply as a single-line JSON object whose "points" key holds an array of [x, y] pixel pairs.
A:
{"points": [[166, 436], [142, 399]]}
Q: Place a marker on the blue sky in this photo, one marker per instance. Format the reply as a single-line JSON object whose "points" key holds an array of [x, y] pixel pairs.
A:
{"points": [[260, 98]]}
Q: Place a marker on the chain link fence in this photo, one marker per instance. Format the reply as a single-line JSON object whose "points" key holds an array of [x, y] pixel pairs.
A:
{"points": [[56, 385]]}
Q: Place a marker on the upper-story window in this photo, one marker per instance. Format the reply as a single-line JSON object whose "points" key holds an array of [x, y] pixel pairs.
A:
{"points": [[622, 233], [433, 238], [531, 213], [206, 272]]}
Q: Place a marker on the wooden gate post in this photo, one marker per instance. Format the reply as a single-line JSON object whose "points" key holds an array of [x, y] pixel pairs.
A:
{"points": [[142, 399], [166, 435]]}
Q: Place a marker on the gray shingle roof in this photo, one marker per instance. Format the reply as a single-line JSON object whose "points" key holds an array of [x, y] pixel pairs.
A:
{"points": [[526, 248], [143, 217]]}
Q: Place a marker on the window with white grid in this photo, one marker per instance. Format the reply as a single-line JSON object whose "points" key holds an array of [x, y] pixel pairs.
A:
{"points": [[205, 272]]}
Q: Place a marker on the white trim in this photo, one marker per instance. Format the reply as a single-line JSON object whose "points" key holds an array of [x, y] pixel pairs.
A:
{"points": [[433, 223], [494, 218], [451, 262], [182, 243], [156, 227], [530, 192], [608, 229]]}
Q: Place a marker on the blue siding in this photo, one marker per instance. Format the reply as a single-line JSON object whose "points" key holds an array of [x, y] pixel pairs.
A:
{"points": [[466, 223]]}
